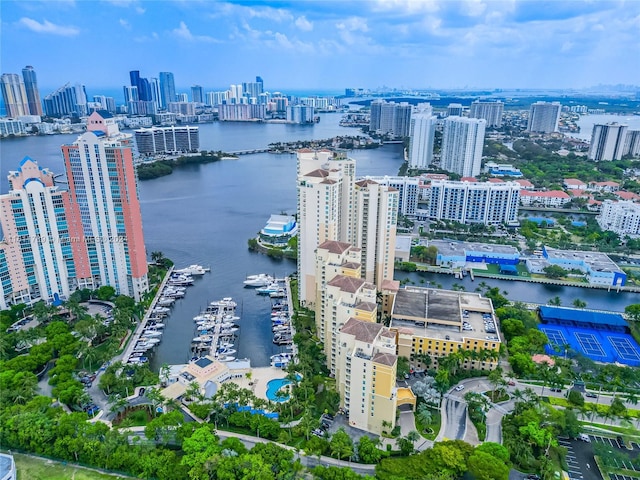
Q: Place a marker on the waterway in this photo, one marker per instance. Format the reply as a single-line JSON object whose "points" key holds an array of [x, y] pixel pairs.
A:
{"points": [[206, 213], [597, 299], [586, 123]]}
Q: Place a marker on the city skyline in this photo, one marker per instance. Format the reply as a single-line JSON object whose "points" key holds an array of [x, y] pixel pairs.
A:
{"points": [[327, 45]]}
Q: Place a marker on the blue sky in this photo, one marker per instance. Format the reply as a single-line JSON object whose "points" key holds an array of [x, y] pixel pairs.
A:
{"points": [[325, 45]]}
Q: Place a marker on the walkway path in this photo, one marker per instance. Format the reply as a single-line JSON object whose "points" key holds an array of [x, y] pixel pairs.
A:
{"points": [[250, 441]]}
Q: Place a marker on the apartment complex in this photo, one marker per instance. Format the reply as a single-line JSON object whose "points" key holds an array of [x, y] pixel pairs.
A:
{"points": [[103, 184], [167, 140], [390, 118], [462, 143], [544, 117], [621, 217], [607, 141], [331, 206], [41, 255], [632, 143], [366, 375], [471, 202], [408, 191], [14, 95], [340, 294], [490, 111], [422, 132], [436, 323]]}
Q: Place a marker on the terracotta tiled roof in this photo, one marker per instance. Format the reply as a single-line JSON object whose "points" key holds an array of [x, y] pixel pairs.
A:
{"points": [[347, 284], [318, 173], [366, 306], [362, 331], [334, 246], [385, 359]]}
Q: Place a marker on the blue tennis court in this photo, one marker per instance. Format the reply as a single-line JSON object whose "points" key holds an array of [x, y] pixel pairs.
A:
{"points": [[599, 345]]}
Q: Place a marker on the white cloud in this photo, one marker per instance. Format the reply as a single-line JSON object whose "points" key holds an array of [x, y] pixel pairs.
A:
{"points": [[303, 24], [124, 24], [184, 33], [353, 24], [47, 27], [408, 6], [275, 14]]}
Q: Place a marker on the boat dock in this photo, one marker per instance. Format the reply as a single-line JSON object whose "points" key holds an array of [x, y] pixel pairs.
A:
{"points": [[137, 334], [148, 333]]}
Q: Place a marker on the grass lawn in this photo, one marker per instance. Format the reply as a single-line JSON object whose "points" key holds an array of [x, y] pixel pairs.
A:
{"points": [[30, 468]]}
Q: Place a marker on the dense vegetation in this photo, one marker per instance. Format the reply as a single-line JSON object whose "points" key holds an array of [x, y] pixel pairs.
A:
{"points": [[159, 168]]}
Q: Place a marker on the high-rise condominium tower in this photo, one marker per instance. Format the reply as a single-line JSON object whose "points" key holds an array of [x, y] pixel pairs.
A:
{"points": [[42, 255], [14, 95], [607, 141], [462, 142], [331, 206], [102, 182], [543, 117], [31, 88], [490, 111], [197, 94], [423, 128], [167, 89]]}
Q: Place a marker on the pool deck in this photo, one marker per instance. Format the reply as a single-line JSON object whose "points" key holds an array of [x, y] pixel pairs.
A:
{"points": [[260, 376]]}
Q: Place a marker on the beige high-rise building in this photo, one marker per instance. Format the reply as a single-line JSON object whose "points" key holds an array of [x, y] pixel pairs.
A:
{"points": [[332, 207], [366, 375], [345, 297], [332, 259], [325, 189], [376, 216]]}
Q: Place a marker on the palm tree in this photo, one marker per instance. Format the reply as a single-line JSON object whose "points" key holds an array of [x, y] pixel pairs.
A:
{"points": [[157, 257], [164, 374], [555, 301], [424, 414], [578, 303]]}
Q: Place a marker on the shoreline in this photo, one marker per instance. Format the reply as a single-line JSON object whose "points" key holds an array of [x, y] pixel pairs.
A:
{"points": [[549, 281]]}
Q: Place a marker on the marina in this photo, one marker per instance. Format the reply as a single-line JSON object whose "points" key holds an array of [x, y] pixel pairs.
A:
{"points": [[217, 331], [148, 334]]}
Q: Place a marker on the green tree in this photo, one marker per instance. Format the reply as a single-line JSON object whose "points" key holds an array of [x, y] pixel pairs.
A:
{"points": [[554, 271], [485, 466], [368, 450], [494, 449], [576, 398], [578, 303], [633, 312], [341, 445]]}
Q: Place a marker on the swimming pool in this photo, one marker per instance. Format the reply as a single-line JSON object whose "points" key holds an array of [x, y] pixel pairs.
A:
{"points": [[272, 390]]}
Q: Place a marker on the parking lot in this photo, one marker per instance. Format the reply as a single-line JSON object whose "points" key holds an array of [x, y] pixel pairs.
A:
{"points": [[620, 464], [573, 465]]}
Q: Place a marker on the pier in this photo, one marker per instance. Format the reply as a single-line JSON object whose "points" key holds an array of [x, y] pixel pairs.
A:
{"points": [[143, 323]]}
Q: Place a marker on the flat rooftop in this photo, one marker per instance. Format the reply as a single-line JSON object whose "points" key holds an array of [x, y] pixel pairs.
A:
{"points": [[450, 248], [436, 313], [597, 261]]}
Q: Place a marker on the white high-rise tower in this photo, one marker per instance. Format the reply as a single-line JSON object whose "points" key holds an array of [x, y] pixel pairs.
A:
{"points": [[462, 143], [423, 127]]}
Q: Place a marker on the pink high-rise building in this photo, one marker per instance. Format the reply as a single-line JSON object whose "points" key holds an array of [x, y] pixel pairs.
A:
{"points": [[103, 189]]}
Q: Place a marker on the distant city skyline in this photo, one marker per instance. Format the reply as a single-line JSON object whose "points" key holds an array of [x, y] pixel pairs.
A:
{"points": [[325, 45]]}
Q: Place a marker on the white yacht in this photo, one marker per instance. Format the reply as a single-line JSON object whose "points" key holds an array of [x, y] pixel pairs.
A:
{"points": [[193, 270], [259, 280]]}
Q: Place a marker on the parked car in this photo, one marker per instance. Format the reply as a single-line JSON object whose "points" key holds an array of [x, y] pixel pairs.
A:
{"points": [[584, 437], [459, 388], [591, 395]]}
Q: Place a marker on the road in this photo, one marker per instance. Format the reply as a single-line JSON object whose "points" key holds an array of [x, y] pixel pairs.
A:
{"points": [[454, 418]]}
